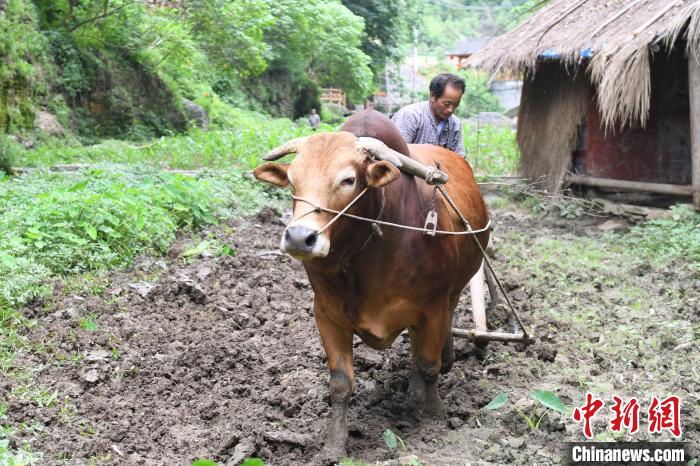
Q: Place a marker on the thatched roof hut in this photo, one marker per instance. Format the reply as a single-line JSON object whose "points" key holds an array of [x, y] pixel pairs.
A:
{"points": [[603, 66]]}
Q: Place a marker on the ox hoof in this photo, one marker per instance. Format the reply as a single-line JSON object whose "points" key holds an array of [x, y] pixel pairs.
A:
{"points": [[329, 456], [433, 406]]}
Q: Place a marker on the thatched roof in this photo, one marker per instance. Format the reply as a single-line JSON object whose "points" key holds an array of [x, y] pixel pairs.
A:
{"points": [[614, 38]]}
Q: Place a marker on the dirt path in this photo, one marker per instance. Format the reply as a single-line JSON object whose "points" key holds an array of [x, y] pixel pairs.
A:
{"points": [[220, 359]]}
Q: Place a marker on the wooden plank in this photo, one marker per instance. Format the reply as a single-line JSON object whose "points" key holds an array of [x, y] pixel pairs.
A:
{"points": [[625, 185], [694, 88], [475, 335]]}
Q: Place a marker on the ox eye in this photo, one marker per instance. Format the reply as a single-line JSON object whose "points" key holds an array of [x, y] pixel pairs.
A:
{"points": [[349, 181]]}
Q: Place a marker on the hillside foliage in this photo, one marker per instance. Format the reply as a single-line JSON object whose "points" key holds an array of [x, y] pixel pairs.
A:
{"points": [[120, 68]]}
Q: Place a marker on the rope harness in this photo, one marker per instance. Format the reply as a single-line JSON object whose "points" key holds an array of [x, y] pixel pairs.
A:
{"points": [[376, 221], [430, 220]]}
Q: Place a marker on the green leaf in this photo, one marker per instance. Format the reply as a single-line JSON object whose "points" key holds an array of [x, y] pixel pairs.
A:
{"points": [[78, 186], [390, 439], [197, 250], [549, 399], [253, 462], [91, 232], [204, 463], [8, 260], [498, 401], [33, 233], [227, 250]]}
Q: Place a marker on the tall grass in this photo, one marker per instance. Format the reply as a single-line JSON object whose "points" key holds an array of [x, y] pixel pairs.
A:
{"points": [[491, 150]]}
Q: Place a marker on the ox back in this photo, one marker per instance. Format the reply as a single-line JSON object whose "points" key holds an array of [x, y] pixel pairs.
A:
{"points": [[371, 123]]}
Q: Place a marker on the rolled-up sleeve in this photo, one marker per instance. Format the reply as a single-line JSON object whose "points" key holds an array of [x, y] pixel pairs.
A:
{"points": [[408, 124]]}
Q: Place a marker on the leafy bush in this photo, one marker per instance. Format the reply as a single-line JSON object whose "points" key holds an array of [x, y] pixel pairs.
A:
{"points": [[73, 222], [238, 138], [9, 151], [491, 150]]}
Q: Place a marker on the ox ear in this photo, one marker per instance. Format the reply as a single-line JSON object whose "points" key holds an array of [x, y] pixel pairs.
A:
{"points": [[273, 173], [380, 174]]}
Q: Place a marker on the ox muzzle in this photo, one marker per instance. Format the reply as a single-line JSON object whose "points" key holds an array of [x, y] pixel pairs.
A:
{"points": [[303, 241]]}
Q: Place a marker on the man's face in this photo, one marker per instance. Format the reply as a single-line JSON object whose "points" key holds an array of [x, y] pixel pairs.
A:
{"points": [[445, 105]]}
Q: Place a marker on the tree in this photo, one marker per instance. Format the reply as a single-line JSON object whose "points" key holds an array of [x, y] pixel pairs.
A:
{"points": [[387, 28], [312, 43]]}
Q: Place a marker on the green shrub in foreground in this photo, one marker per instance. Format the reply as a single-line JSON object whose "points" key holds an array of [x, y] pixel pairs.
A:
{"points": [[63, 223]]}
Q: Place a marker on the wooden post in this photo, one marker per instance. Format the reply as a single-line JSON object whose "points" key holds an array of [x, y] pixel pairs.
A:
{"points": [[476, 285], [694, 88]]}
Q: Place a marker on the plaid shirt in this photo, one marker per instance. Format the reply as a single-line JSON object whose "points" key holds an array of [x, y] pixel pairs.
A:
{"points": [[418, 125]]}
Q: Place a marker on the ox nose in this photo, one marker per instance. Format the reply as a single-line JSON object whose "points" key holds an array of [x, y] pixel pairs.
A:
{"points": [[299, 240]]}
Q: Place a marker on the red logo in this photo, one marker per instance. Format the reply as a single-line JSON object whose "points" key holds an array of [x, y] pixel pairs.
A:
{"points": [[663, 415], [625, 416], [587, 412]]}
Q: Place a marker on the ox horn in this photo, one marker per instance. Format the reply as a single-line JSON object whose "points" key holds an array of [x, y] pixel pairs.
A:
{"points": [[380, 151], [288, 147]]}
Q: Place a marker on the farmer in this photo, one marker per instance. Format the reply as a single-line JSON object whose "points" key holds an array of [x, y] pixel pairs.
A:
{"points": [[314, 119], [433, 121]]}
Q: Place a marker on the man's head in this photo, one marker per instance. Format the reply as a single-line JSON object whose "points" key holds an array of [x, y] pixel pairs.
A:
{"points": [[445, 94], [313, 111]]}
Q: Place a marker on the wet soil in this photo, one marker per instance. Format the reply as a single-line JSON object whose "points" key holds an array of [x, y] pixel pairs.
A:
{"points": [[219, 358]]}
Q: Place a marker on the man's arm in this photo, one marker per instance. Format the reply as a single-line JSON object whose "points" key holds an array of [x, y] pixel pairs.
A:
{"points": [[459, 148], [408, 125]]}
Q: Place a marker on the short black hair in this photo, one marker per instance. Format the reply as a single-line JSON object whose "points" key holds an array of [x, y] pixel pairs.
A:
{"points": [[440, 82]]}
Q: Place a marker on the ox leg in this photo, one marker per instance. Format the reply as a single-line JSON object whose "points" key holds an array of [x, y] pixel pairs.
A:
{"points": [[338, 346], [427, 346]]}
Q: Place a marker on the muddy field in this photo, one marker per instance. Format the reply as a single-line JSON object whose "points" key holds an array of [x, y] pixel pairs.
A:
{"points": [[219, 358]]}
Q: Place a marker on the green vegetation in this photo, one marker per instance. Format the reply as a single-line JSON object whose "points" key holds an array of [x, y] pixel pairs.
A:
{"points": [[249, 136], [9, 152], [103, 217], [445, 22], [491, 150], [477, 98], [546, 398], [120, 68], [671, 239]]}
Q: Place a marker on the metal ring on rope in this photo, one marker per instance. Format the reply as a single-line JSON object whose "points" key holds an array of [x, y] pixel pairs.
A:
{"points": [[344, 213]]}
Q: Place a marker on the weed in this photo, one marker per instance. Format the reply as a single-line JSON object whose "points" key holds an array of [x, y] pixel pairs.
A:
{"points": [[352, 462], [392, 440], [86, 429], [44, 398], [77, 359], [97, 459], [548, 399], [89, 322]]}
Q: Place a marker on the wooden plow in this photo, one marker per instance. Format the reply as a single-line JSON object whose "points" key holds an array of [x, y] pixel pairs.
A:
{"points": [[480, 333]]}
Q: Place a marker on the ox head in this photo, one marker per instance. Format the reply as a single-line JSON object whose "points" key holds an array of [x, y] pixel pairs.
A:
{"points": [[330, 171]]}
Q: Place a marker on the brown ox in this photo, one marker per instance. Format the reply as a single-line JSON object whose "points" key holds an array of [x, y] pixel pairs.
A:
{"points": [[372, 285]]}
